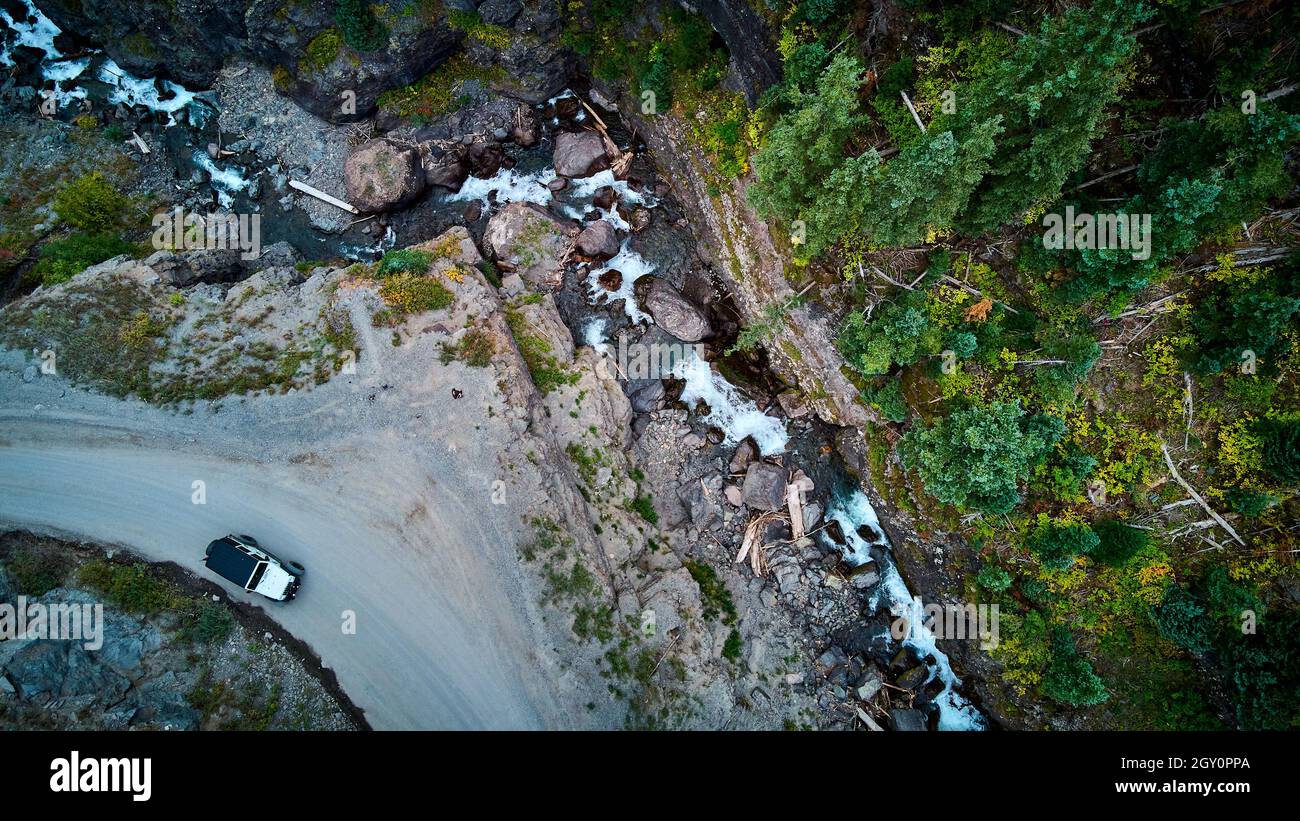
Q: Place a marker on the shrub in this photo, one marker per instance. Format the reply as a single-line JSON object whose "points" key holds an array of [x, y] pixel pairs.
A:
{"points": [[645, 508], [731, 649], [975, 457], [993, 578], [1057, 545], [1231, 320], [322, 50], [211, 625], [62, 259], [35, 572], [888, 399], [134, 587], [1249, 503], [803, 67], [405, 261], [411, 293], [900, 333], [1079, 351], [1181, 618], [1280, 442], [91, 204], [1208, 175], [359, 26], [1117, 542], [714, 596], [1069, 678]]}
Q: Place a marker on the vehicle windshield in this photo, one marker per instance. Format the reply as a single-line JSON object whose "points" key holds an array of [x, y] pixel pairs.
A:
{"points": [[257, 575]]}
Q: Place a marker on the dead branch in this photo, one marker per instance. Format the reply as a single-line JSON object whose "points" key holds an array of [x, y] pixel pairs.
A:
{"points": [[1173, 471]]}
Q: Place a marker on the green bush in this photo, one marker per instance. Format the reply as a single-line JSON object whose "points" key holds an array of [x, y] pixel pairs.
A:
{"points": [[410, 293], [405, 261], [804, 65], [1229, 321], [1249, 503], [1263, 671], [134, 587], [1069, 678], [888, 399], [210, 625], [62, 259], [1281, 446], [899, 334], [732, 647], [36, 573], [1181, 618], [91, 204], [1117, 542], [1208, 175], [1057, 545], [1057, 383], [644, 507], [359, 26], [975, 457], [993, 578]]}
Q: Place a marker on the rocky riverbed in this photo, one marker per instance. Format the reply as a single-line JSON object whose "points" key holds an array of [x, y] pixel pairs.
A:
{"points": [[739, 575]]}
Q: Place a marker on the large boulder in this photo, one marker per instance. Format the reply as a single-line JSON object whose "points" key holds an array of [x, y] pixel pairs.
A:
{"points": [[484, 159], [524, 239], [382, 176], [764, 486], [579, 154], [598, 240], [671, 311]]}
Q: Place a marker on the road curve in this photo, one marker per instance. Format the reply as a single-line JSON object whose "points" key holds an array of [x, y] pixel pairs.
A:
{"points": [[442, 640]]}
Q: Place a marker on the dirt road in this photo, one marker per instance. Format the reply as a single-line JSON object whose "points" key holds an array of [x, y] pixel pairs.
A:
{"points": [[403, 536]]}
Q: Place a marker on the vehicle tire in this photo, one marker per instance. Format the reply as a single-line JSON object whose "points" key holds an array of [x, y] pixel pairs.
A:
{"points": [[296, 569], [249, 540]]}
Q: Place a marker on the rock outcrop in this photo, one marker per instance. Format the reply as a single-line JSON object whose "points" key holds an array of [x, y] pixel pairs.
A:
{"points": [[579, 154], [381, 176], [671, 310], [524, 239]]}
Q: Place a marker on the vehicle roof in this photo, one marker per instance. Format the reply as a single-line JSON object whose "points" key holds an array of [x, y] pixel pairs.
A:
{"points": [[228, 561]]}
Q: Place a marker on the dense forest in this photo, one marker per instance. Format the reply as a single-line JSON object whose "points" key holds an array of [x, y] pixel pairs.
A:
{"points": [[1111, 421]]}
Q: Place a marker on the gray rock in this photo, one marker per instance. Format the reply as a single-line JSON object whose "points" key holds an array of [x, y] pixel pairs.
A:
{"points": [[865, 579], [902, 720], [671, 310], [869, 683], [278, 255], [764, 486], [793, 403], [45, 670], [579, 154], [381, 176], [449, 174], [734, 495], [646, 395], [812, 514], [913, 678], [29, 373], [524, 239], [161, 703], [598, 240], [787, 578], [745, 453], [484, 159]]}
